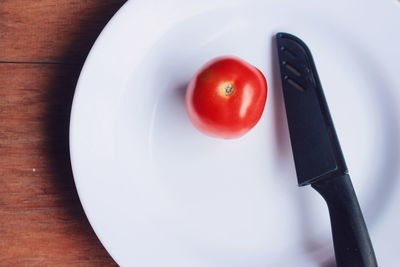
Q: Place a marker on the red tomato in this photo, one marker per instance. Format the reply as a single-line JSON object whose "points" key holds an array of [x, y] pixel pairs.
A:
{"points": [[226, 97]]}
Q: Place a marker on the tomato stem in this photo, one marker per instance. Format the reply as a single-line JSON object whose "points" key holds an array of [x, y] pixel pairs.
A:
{"points": [[229, 89]]}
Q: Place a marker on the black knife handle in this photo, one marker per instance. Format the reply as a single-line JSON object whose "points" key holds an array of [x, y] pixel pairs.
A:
{"points": [[351, 240]]}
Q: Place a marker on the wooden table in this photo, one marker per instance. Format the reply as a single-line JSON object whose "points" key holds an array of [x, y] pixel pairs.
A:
{"points": [[43, 44]]}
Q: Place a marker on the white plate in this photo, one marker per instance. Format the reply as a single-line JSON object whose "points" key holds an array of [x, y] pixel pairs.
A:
{"points": [[159, 193]]}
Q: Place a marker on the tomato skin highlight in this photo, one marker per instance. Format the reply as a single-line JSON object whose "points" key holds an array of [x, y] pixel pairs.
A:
{"points": [[226, 97]]}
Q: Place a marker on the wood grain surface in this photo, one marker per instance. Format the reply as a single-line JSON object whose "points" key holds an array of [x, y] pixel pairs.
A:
{"points": [[43, 44]]}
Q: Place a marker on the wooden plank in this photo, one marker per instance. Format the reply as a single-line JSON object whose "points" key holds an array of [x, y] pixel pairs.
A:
{"points": [[52, 30], [41, 220]]}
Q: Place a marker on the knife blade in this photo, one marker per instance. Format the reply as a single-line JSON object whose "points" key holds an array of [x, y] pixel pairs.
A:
{"points": [[317, 154]]}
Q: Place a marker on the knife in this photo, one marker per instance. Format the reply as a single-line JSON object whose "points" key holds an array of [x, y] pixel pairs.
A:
{"points": [[317, 154]]}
